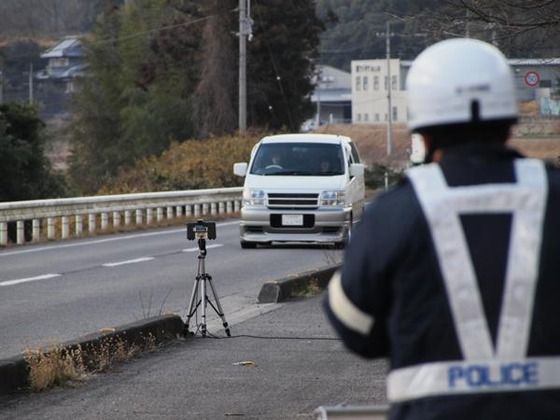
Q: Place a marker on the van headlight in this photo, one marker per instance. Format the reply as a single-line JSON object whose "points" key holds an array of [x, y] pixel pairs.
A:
{"points": [[254, 198], [332, 199]]}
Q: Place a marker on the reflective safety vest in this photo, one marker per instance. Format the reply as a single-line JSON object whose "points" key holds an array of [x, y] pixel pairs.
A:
{"points": [[485, 368]]}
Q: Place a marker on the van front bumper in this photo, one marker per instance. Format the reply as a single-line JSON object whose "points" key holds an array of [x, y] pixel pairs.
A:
{"points": [[319, 226]]}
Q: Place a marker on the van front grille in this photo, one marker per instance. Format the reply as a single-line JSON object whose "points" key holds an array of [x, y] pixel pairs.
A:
{"points": [[287, 201]]}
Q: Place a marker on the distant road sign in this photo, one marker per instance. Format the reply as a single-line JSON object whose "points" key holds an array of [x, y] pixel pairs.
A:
{"points": [[532, 78]]}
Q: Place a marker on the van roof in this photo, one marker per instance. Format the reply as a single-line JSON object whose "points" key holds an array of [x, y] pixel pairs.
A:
{"points": [[305, 137]]}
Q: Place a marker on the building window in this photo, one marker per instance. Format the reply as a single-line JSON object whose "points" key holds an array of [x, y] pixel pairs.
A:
{"points": [[395, 113], [386, 119], [359, 117], [394, 82], [366, 117], [365, 83], [375, 82], [386, 83], [358, 82], [377, 117]]}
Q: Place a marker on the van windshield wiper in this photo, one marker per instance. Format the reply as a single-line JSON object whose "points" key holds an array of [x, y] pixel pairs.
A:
{"points": [[291, 172], [330, 173]]}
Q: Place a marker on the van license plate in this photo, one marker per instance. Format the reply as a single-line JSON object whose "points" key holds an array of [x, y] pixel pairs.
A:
{"points": [[292, 220]]}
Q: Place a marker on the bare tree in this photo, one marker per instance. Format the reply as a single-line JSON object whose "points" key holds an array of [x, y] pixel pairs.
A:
{"points": [[520, 27], [214, 105]]}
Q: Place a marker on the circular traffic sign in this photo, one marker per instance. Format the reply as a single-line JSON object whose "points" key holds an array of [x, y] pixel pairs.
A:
{"points": [[532, 78]]}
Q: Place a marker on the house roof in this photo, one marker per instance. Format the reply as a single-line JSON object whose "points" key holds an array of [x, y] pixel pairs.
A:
{"points": [[334, 85], [333, 78], [68, 47]]}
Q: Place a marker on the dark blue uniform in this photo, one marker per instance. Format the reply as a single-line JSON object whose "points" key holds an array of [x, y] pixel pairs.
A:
{"points": [[472, 331]]}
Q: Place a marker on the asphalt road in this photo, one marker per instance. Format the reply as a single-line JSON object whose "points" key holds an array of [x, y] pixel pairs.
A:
{"points": [[50, 293]]}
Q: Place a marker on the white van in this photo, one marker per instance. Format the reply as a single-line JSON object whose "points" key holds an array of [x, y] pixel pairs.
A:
{"points": [[301, 188]]}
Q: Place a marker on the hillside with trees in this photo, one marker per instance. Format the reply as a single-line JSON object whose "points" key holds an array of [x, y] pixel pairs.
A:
{"points": [[355, 29], [39, 19], [166, 70], [163, 71]]}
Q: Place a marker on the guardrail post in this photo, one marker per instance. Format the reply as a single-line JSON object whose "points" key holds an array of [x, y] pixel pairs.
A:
{"points": [[20, 232], [116, 219], [213, 208], [50, 229], [229, 207], [196, 210], [221, 207], [138, 216], [236, 206], [204, 209], [127, 217], [65, 227], [104, 221], [169, 212], [78, 225], [91, 223], [159, 214], [148, 216], [178, 211], [3, 233], [36, 228], [188, 210]]}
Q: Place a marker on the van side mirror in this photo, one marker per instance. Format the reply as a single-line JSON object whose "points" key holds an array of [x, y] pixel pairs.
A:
{"points": [[357, 169], [240, 168]]}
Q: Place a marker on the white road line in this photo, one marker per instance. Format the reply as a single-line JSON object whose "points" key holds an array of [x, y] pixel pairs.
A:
{"points": [[29, 279], [101, 241], [207, 247], [134, 261]]}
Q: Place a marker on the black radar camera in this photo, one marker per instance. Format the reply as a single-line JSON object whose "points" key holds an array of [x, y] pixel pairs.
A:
{"points": [[201, 230]]}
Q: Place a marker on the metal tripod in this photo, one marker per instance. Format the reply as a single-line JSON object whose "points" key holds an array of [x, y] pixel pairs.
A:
{"points": [[199, 296]]}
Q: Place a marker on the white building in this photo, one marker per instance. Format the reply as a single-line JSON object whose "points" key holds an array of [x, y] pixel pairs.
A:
{"points": [[370, 81], [536, 80]]}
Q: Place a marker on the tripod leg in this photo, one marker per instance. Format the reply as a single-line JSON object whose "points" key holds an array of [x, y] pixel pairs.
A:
{"points": [[192, 307], [220, 311], [204, 299]]}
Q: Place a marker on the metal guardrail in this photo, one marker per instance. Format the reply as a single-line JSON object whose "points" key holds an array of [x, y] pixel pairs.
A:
{"points": [[65, 217]]}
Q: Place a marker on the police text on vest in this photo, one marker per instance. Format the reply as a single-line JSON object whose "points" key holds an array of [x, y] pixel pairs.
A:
{"points": [[483, 375]]}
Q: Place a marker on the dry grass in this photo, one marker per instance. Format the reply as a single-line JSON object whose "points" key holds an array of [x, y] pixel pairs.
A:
{"points": [[58, 365], [371, 141], [538, 138], [55, 366]]}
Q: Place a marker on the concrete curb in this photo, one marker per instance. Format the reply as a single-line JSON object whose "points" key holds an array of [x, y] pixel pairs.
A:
{"points": [[141, 335], [283, 289]]}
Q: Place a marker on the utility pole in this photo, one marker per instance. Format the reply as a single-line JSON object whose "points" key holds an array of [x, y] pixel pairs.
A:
{"points": [[245, 31], [319, 76], [389, 101]]}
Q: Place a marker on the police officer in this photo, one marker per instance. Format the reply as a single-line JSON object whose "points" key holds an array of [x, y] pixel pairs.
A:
{"points": [[454, 275]]}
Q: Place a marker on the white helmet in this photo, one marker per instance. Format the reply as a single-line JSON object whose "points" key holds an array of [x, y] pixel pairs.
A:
{"points": [[460, 81]]}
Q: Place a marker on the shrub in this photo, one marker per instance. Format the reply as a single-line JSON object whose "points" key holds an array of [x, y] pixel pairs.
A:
{"points": [[194, 164]]}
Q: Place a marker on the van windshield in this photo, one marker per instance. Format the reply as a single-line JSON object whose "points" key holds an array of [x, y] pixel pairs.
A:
{"points": [[301, 159]]}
